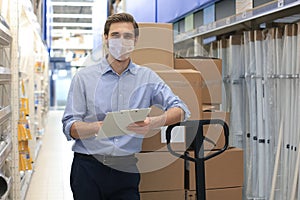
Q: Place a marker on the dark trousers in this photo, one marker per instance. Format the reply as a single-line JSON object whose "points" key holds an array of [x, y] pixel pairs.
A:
{"points": [[92, 180]]}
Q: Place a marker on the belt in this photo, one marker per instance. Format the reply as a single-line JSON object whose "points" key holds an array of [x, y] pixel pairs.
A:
{"points": [[109, 160]]}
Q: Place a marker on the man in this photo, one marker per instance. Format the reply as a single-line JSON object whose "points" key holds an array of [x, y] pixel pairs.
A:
{"points": [[115, 84]]}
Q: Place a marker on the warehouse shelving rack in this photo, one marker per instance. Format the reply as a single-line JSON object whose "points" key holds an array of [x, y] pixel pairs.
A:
{"points": [[247, 20], [5, 110], [13, 72]]}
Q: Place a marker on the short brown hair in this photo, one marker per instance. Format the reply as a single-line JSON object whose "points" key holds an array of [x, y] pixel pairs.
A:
{"points": [[121, 17]]}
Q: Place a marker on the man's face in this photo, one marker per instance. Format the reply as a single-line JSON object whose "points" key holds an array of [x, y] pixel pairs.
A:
{"points": [[120, 40]]}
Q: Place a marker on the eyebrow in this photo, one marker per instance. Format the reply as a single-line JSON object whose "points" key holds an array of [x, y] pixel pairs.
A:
{"points": [[118, 33], [114, 33], [126, 35]]}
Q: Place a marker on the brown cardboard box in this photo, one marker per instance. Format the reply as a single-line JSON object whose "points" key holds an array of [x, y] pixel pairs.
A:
{"points": [[163, 195], [243, 6], [155, 140], [154, 47], [211, 71], [214, 132], [187, 85], [181, 140], [235, 193], [222, 171], [160, 171]]}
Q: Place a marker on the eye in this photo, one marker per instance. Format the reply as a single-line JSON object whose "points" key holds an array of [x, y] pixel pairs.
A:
{"points": [[115, 35], [128, 36]]}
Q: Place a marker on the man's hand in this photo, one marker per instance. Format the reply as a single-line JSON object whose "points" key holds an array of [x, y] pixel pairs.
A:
{"points": [[83, 130], [142, 127], [171, 116]]}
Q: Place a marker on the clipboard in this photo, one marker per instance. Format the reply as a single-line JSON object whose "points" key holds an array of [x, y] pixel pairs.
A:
{"points": [[115, 123]]}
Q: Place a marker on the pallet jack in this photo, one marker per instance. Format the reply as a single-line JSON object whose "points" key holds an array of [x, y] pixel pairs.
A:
{"points": [[194, 128]]}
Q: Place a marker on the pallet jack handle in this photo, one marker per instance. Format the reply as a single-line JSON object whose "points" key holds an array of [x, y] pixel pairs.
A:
{"points": [[196, 126]]}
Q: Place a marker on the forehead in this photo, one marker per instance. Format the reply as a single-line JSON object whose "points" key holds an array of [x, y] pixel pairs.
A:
{"points": [[121, 27]]}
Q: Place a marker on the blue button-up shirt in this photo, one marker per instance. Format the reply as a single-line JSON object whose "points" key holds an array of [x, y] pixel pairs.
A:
{"points": [[98, 89]]}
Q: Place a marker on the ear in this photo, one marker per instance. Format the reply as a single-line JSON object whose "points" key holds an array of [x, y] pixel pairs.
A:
{"points": [[135, 40], [105, 40]]}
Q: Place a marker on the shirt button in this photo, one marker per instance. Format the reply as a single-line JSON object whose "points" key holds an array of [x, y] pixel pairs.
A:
{"points": [[116, 140]]}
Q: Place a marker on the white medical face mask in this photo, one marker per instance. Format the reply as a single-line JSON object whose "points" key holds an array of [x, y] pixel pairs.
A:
{"points": [[120, 48]]}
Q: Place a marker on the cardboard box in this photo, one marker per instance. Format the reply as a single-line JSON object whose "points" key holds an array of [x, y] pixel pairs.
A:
{"points": [[163, 195], [181, 141], [154, 47], [211, 71], [187, 84], [155, 141], [214, 132], [243, 5], [160, 171], [235, 193], [223, 171]]}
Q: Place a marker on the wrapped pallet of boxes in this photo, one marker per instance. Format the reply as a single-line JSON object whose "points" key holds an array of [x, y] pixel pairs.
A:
{"points": [[154, 47], [162, 176], [211, 71], [187, 85], [224, 176]]}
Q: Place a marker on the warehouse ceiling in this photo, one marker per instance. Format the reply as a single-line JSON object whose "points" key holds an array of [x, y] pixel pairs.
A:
{"points": [[71, 16]]}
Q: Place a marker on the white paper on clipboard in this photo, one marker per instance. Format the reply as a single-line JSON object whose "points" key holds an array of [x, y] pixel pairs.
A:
{"points": [[115, 123]]}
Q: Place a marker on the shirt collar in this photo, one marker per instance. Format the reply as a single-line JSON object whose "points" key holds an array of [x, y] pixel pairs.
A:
{"points": [[105, 67]]}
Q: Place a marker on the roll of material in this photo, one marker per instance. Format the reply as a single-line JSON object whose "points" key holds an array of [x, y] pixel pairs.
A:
{"points": [[2, 145]]}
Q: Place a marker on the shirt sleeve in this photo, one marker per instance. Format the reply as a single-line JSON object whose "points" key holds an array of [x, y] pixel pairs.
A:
{"points": [[75, 107], [164, 97]]}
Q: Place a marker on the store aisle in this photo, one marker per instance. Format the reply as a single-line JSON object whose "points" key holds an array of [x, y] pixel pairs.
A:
{"points": [[50, 180]]}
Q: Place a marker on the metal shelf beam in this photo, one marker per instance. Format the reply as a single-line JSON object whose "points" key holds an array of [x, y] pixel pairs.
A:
{"points": [[5, 75], [5, 36], [5, 152], [5, 114]]}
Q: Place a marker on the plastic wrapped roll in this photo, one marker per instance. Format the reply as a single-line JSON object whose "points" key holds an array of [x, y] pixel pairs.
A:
{"points": [[2, 145]]}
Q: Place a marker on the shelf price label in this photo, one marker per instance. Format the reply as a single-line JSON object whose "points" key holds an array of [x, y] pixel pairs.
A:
{"points": [[214, 25], [227, 21], [244, 15], [280, 3]]}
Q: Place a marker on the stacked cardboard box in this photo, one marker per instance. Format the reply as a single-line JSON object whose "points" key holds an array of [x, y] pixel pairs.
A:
{"points": [[223, 174], [181, 140], [198, 82], [187, 84], [217, 194], [211, 73], [157, 166], [164, 195], [167, 177], [161, 171], [162, 176], [154, 47]]}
